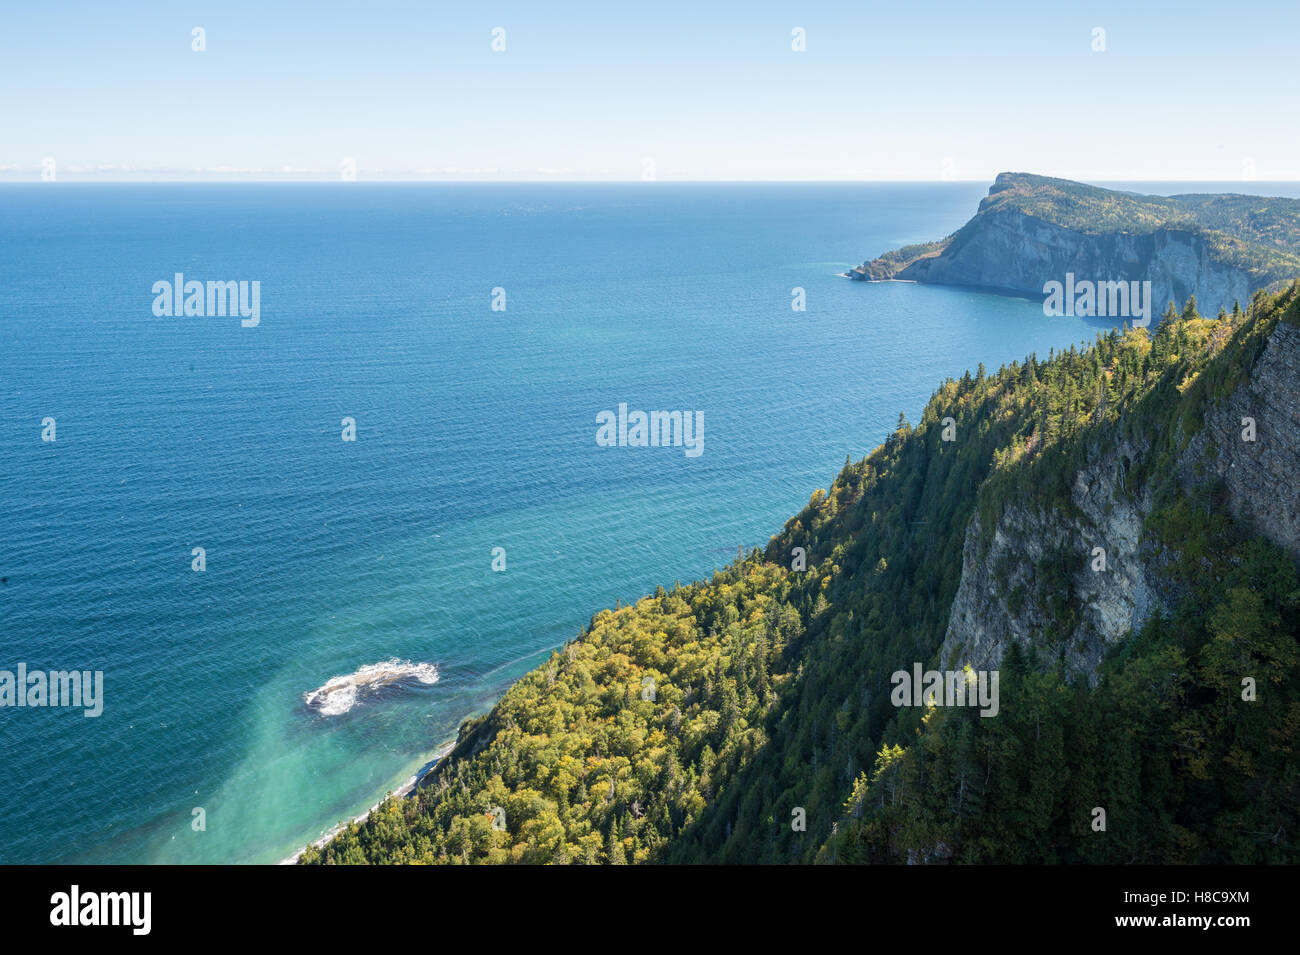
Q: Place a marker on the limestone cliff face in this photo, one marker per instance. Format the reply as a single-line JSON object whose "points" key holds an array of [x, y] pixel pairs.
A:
{"points": [[1002, 597], [1030, 230], [1262, 477], [1013, 252]]}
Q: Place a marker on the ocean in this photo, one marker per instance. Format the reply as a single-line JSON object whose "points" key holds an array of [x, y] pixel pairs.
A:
{"points": [[348, 615]]}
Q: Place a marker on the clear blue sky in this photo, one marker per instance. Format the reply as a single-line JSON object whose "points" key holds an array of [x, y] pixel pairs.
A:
{"points": [[708, 91]]}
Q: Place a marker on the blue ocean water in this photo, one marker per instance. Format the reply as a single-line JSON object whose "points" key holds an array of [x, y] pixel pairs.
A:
{"points": [[475, 430]]}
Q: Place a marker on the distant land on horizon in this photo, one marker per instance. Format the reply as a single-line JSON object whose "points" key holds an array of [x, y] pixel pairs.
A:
{"points": [[1029, 230], [1114, 530], [31, 175]]}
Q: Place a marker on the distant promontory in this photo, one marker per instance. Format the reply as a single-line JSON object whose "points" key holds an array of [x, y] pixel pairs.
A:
{"points": [[1030, 230]]}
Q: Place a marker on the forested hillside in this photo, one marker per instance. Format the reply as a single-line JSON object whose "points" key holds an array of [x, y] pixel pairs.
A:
{"points": [[707, 723]]}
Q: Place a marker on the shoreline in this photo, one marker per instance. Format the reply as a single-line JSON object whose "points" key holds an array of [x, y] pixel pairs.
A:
{"points": [[400, 792], [860, 277]]}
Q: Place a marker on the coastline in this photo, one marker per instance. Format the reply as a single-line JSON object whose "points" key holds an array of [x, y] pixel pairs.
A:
{"points": [[400, 792], [859, 278]]}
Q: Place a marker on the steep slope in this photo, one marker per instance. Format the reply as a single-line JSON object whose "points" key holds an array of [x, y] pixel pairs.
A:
{"points": [[1030, 230], [1247, 449], [1176, 740], [766, 732]]}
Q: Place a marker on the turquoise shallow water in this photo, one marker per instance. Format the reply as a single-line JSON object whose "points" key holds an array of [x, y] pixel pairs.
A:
{"points": [[475, 430]]}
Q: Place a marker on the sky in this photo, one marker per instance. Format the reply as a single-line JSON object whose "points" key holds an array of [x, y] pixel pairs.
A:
{"points": [[666, 90]]}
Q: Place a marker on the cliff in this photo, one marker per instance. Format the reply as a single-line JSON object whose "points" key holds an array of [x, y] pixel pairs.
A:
{"points": [[1242, 457], [1031, 230], [748, 718]]}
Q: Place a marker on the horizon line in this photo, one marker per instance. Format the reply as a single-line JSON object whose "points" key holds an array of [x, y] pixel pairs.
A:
{"points": [[89, 179]]}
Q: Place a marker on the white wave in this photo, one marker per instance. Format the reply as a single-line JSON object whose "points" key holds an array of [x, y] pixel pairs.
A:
{"points": [[340, 693]]}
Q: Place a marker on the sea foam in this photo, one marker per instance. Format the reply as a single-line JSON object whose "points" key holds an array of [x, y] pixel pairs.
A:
{"points": [[340, 693]]}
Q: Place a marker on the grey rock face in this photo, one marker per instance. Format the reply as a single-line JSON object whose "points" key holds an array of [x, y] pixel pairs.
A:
{"points": [[999, 599], [1261, 476], [1012, 252]]}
